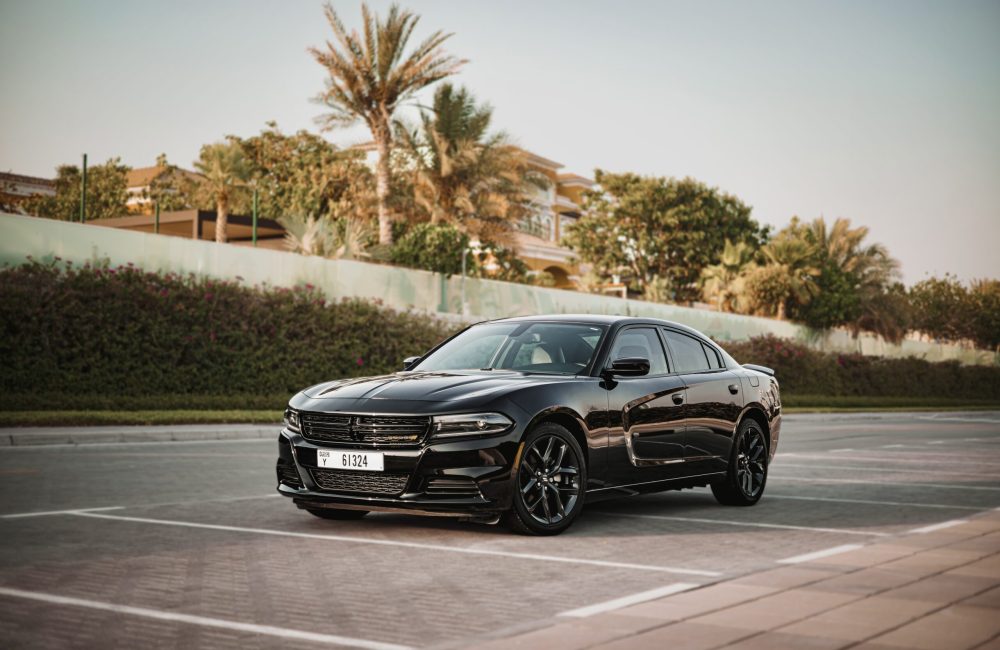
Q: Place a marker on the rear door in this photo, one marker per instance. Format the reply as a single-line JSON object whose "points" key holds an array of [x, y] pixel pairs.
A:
{"points": [[646, 435], [713, 405]]}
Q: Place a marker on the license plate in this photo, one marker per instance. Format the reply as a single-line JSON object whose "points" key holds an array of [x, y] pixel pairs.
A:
{"points": [[372, 461]]}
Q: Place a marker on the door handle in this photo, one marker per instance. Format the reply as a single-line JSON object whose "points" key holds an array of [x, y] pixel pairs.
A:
{"points": [[734, 388], [678, 398]]}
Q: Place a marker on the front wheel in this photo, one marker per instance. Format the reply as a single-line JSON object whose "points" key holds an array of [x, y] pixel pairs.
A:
{"points": [[747, 475], [550, 482]]}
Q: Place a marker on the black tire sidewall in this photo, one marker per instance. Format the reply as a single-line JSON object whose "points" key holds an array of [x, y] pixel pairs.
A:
{"points": [[518, 506], [732, 478]]}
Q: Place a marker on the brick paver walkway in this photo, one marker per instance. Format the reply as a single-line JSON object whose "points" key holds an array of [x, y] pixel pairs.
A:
{"points": [[933, 590]]}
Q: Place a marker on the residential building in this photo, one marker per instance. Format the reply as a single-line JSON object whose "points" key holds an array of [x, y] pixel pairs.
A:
{"points": [[539, 238], [15, 188], [139, 183]]}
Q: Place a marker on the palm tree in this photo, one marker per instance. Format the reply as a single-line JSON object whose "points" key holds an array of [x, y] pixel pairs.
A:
{"points": [[787, 276], [225, 172], [370, 75], [722, 282], [464, 175]]}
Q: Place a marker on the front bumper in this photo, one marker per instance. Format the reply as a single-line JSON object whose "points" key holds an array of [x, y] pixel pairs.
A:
{"points": [[470, 477]]}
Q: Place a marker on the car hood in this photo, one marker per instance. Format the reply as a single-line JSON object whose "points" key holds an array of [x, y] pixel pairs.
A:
{"points": [[423, 386]]}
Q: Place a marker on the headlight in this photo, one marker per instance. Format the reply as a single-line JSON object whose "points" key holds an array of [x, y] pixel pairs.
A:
{"points": [[465, 424], [292, 419]]}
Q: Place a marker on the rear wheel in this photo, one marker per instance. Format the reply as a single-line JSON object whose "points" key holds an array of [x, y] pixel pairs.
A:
{"points": [[747, 475], [334, 513], [550, 482]]}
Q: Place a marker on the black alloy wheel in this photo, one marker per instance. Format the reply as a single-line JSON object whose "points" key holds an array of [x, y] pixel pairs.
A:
{"points": [[550, 482], [744, 482]]}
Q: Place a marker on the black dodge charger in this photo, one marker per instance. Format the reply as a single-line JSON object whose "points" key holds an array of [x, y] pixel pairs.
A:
{"points": [[528, 418]]}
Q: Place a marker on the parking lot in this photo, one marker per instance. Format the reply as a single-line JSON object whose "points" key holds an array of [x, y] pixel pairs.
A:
{"points": [[185, 544]]}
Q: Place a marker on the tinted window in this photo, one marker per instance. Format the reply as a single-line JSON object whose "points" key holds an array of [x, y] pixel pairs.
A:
{"points": [[713, 358], [641, 342], [688, 353]]}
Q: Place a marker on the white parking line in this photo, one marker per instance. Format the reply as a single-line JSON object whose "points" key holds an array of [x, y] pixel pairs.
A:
{"points": [[625, 601], [48, 513], [204, 621], [942, 525], [923, 457], [849, 468], [892, 446], [942, 486], [958, 419], [749, 524], [874, 502], [809, 557], [389, 542], [837, 451]]}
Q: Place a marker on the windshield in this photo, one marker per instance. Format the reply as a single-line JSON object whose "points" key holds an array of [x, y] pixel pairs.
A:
{"points": [[557, 348]]}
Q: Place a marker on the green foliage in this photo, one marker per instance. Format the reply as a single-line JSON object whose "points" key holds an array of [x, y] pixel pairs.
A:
{"points": [[643, 227], [434, 248], [304, 176], [804, 371], [124, 334], [462, 174], [171, 189], [371, 74], [106, 193], [947, 310]]}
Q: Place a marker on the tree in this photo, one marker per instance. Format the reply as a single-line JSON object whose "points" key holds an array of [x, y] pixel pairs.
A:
{"points": [[107, 193], [644, 227], [302, 175], [434, 247], [464, 175], [370, 76], [226, 172], [787, 278], [984, 299], [940, 308], [853, 275], [722, 282]]}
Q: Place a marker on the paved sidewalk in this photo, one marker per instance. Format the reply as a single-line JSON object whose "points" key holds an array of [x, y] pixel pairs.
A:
{"points": [[25, 436], [934, 590]]}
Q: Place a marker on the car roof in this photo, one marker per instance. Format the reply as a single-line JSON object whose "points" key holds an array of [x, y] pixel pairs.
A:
{"points": [[599, 319]]}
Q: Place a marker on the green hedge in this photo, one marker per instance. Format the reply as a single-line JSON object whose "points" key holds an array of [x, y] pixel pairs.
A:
{"points": [[100, 338], [104, 338], [804, 371]]}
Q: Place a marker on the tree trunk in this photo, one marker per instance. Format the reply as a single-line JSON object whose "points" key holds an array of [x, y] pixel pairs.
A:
{"points": [[382, 188], [221, 220], [781, 310]]}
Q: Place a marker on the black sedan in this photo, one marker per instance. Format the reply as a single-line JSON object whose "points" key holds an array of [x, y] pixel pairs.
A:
{"points": [[528, 418]]}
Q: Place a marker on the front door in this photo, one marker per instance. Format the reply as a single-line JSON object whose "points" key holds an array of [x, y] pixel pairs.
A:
{"points": [[646, 435]]}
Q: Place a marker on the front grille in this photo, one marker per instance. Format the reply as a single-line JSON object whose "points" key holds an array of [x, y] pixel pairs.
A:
{"points": [[359, 482], [363, 429], [288, 475], [451, 487]]}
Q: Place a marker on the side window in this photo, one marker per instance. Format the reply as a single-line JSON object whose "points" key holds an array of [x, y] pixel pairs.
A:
{"points": [[688, 353], [713, 358], [641, 342]]}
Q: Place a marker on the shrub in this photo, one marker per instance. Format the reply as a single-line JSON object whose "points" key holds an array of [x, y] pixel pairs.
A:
{"points": [[96, 336], [434, 248], [804, 371]]}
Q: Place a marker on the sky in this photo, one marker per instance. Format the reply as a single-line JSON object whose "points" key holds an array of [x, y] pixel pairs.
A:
{"points": [[885, 112]]}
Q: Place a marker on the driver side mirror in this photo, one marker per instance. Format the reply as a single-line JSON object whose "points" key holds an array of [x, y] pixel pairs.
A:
{"points": [[629, 367], [409, 362]]}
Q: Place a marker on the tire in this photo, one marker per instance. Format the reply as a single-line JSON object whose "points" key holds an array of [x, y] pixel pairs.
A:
{"points": [[747, 474], [339, 515], [550, 482]]}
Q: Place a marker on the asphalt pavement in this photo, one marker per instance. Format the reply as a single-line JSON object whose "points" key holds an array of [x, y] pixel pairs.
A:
{"points": [[182, 544]]}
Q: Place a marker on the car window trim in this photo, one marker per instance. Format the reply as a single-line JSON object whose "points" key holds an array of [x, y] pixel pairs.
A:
{"points": [[632, 326], [666, 341]]}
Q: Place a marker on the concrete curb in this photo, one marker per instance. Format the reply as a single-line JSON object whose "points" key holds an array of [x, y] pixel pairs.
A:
{"points": [[38, 436]]}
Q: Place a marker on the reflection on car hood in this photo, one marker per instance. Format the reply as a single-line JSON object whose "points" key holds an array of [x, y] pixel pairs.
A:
{"points": [[428, 386]]}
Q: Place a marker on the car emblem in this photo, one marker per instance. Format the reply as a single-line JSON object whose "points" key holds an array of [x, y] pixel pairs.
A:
{"points": [[355, 434]]}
